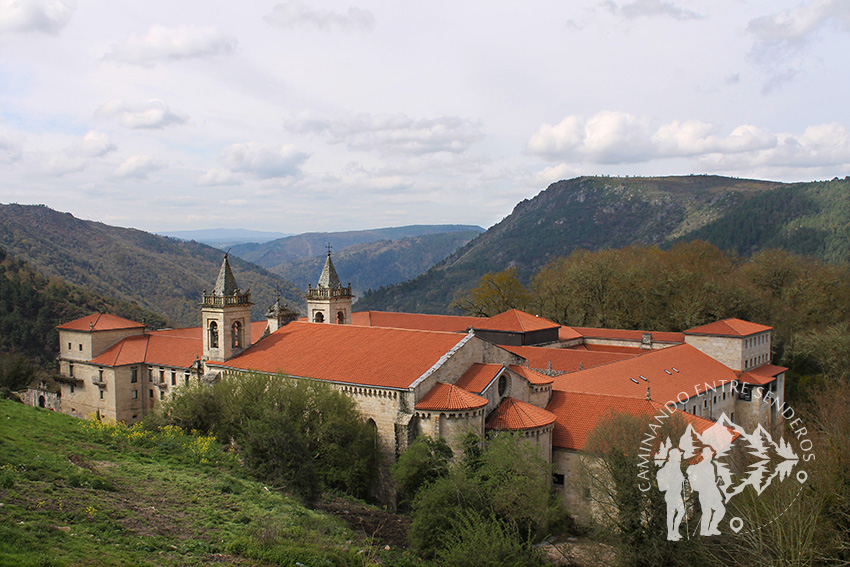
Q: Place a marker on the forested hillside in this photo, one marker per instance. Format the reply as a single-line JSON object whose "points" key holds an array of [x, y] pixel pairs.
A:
{"points": [[596, 213], [314, 244], [375, 264], [160, 274], [31, 306]]}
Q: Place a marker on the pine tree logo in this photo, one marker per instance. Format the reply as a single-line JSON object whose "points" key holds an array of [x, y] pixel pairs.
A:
{"points": [[704, 464]]}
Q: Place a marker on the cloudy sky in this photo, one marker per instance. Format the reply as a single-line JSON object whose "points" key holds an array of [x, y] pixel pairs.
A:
{"points": [[300, 116]]}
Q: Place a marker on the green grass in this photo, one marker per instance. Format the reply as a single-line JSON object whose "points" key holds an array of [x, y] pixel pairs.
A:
{"points": [[83, 493]]}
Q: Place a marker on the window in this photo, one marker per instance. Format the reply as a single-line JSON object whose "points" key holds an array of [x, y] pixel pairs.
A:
{"points": [[150, 375], [213, 334], [134, 375], [503, 384], [236, 335], [100, 374], [318, 317], [71, 370], [558, 479], [81, 347], [135, 394], [72, 388], [69, 346], [340, 318], [161, 394], [186, 378], [173, 378], [150, 393], [162, 376], [101, 394]]}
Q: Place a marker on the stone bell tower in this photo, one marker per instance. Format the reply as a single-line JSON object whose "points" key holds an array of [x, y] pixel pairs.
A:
{"points": [[329, 301], [226, 317]]}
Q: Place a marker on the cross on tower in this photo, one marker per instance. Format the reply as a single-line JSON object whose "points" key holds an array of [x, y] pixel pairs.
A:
{"points": [[329, 248]]}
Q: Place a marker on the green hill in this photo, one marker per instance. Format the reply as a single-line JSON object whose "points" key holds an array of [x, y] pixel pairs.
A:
{"points": [[376, 264], [161, 274], [314, 244], [77, 492], [31, 306], [596, 213]]}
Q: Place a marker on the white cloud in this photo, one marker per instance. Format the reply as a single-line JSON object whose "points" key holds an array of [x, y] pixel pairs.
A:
{"points": [[394, 133], [783, 37], [294, 13], [152, 114], [11, 146], [651, 8], [219, 177], [168, 44], [265, 162], [617, 137], [795, 27], [138, 166], [45, 16], [94, 144], [59, 165]]}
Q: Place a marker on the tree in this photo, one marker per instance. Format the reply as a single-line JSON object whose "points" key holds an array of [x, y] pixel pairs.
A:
{"points": [[504, 490], [426, 460], [301, 435], [496, 293]]}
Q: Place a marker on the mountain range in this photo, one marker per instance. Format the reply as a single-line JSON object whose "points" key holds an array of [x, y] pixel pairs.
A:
{"points": [[161, 274], [593, 213]]}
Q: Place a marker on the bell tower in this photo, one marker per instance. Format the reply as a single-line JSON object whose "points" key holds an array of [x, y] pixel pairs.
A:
{"points": [[226, 317], [329, 301]]}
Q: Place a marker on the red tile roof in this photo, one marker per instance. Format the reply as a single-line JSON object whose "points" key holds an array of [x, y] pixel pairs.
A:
{"points": [[448, 397], [514, 415], [568, 334], [630, 350], [577, 414], [762, 375], [100, 322], [478, 377], [514, 321], [161, 350], [257, 330], [414, 321], [624, 334], [373, 356], [668, 372], [564, 359], [729, 328], [532, 376]]}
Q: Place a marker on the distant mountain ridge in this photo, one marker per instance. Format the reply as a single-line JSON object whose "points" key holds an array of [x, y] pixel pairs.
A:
{"points": [[595, 213], [314, 244], [372, 265], [160, 274], [225, 237]]}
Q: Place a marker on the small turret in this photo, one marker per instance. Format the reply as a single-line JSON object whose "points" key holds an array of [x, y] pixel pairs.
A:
{"points": [[279, 316], [329, 301]]}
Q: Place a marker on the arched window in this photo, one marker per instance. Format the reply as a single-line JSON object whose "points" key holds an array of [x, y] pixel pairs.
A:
{"points": [[340, 318], [318, 317], [213, 332], [503, 384], [236, 335]]}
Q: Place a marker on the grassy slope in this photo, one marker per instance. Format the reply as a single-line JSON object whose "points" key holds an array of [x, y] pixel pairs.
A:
{"points": [[76, 494]]}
